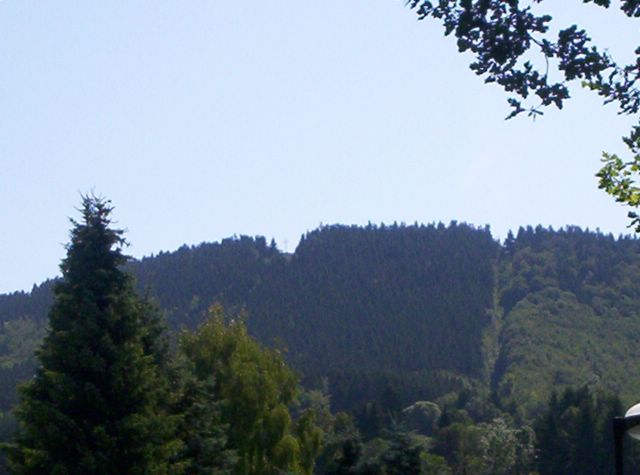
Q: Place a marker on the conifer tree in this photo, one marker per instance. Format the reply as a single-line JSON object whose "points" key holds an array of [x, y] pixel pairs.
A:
{"points": [[95, 405]]}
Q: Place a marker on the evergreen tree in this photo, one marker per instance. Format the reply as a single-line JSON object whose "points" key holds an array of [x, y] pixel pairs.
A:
{"points": [[574, 434], [200, 428], [95, 405]]}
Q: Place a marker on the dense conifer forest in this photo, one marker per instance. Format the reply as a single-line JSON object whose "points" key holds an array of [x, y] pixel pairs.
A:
{"points": [[421, 348]]}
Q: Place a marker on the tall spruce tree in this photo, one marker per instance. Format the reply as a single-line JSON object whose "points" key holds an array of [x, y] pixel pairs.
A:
{"points": [[95, 405]]}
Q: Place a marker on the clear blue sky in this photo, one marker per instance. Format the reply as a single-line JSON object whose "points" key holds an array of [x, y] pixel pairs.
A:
{"points": [[204, 119]]}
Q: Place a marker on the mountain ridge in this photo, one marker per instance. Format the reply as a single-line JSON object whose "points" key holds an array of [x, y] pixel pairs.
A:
{"points": [[427, 308]]}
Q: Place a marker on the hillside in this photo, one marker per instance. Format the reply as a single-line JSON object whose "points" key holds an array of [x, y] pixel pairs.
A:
{"points": [[571, 301], [404, 313]]}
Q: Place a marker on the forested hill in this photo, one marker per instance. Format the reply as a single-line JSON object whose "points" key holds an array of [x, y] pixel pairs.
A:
{"points": [[420, 310], [367, 299], [571, 302]]}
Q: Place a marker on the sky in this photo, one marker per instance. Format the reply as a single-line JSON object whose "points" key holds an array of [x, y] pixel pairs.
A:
{"points": [[201, 120]]}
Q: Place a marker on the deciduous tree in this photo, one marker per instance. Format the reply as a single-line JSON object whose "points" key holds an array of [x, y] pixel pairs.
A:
{"points": [[505, 36], [255, 389]]}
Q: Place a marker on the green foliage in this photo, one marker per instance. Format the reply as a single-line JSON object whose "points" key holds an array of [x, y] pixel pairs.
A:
{"points": [[29, 305], [571, 316], [397, 454], [459, 444], [19, 340], [506, 450], [342, 447], [574, 433], [200, 428], [434, 464], [96, 402], [360, 290], [254, 388], [346, 294], [618, 178], [422, 417], [343, 301], [502, 36], [490, 448], [374, 316]]}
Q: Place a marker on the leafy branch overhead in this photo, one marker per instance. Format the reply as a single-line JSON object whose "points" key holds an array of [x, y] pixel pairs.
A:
{"points": [[514, 48]]}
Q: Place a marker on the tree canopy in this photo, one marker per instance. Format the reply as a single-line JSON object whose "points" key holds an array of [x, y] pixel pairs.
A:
{"points": [[255, 390], [505, 36], [547, 310]]}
